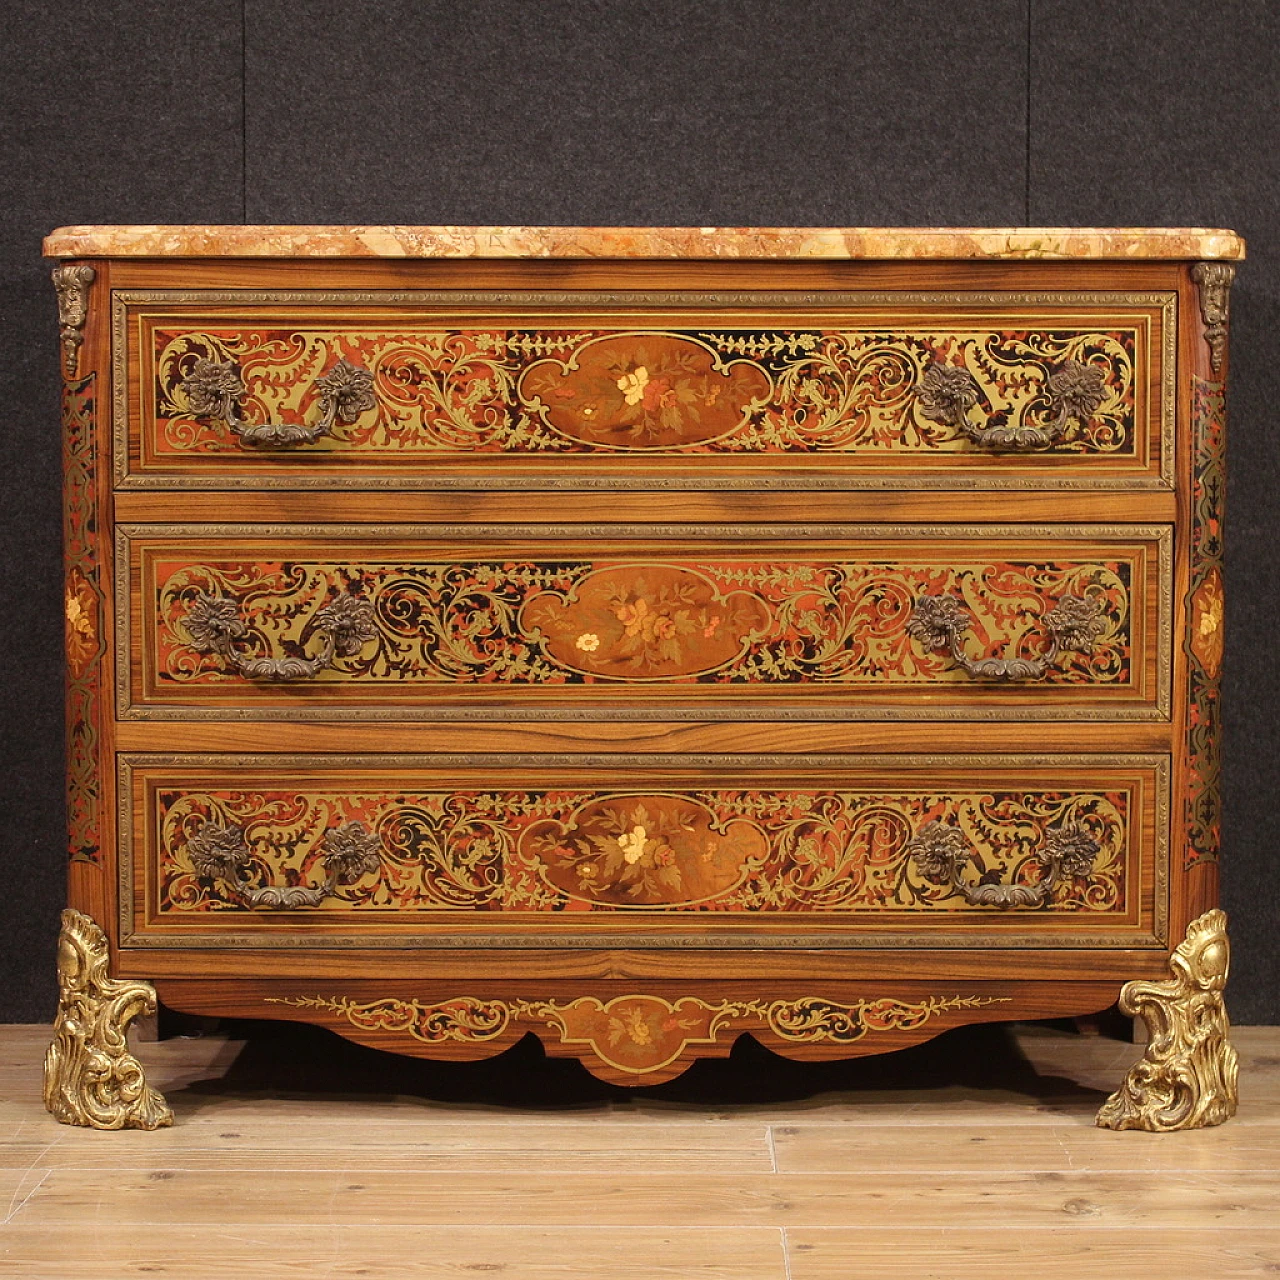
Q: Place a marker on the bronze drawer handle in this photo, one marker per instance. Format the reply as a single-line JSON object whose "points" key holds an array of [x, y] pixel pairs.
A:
{"points": [[941, 853], [222, 853], [939, 622], [947, 392], [212, 389], [213, 624]]}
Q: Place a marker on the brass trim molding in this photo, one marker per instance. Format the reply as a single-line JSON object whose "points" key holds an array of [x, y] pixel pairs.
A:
{"points": [[1187, 1079], [838, 938], [123, 299], [90, 1077], [1157, 710]]}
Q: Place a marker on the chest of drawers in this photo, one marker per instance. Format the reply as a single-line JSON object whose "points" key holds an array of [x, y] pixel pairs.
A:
{"points": [[642, 638]]}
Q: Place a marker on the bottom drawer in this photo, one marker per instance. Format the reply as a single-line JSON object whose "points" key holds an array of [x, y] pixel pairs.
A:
{"points": [[433, 851]]}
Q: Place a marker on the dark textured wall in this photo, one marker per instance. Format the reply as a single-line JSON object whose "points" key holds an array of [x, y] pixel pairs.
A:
{"points": [[604, 111]]}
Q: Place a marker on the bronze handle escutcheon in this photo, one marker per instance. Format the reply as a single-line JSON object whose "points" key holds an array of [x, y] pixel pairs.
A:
{"points": [[947, 392], [939, 622], [222, 853], [212, 389], [214, 624], [941, 853]]}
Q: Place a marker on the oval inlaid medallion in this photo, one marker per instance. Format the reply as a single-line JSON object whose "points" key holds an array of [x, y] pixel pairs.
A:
{"points": [[650, 621], [1206, 623], [644, 850], [643, 391]]}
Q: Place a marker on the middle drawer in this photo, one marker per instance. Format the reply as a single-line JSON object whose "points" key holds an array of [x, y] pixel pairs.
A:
{"points": [[429, 622]]}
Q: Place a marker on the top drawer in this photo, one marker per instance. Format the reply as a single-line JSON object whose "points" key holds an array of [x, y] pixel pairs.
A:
{"points": [[451, 389]]}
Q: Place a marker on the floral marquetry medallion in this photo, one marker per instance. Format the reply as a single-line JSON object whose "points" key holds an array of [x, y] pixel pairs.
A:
{"points": [[1070, 618], [81, 613], [647, 850], [655, 391]]}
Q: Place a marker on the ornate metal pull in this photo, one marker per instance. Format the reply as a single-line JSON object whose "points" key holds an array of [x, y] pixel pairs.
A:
{"points": [[214, 625], [212, 389], [939, 622], [946, 393], [222, 853], [941, 853]]}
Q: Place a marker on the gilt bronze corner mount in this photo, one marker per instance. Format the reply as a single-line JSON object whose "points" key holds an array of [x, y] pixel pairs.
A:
{"points": [[1187, 1077], [90, 1077]]}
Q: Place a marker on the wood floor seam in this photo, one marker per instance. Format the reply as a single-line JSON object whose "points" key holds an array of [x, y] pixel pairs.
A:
{"points": [[967, 1178]]}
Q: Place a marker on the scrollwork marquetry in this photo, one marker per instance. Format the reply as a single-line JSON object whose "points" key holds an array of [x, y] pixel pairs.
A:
{"points": [[84, 618], [463, 1019], [90, 1077], [725, 619], [1204, 642], [1138, 320], [504, 849], [538, 390], [1187, 1078], [638, 1034]]}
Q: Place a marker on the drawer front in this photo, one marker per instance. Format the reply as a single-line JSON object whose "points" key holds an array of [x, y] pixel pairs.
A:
{"points": [[431, 390], [550, 852], [986, 621]]}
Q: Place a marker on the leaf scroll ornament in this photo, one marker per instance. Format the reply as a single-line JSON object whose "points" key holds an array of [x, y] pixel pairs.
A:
{"points": [[941, 853], [220, 851], [1075, 391]]}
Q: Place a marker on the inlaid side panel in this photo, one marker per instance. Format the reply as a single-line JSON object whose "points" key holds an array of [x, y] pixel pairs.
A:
{"points": [[86, 638], [542, 853], [1051, 622], [1204, 642], [1057, 389]]}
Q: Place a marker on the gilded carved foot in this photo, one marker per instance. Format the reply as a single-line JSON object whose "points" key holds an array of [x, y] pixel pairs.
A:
{"points": [[90, 1077], [1187, 1079]]}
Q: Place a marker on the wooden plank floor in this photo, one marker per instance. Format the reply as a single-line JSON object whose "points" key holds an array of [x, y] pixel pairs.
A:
{"points": [[297, 1155]]}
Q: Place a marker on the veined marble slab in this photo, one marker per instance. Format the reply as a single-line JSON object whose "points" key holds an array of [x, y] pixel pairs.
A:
{"points": [[641, 242]]}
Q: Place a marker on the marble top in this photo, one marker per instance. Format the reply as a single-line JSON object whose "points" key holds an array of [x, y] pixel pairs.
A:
{"points": [[641, 242]]}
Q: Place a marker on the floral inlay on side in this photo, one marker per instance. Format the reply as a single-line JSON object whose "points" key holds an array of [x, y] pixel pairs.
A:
{"points": [[81, 623]]}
